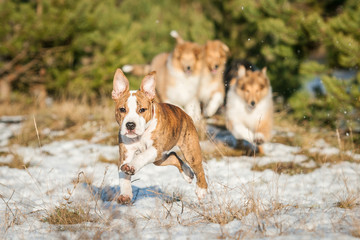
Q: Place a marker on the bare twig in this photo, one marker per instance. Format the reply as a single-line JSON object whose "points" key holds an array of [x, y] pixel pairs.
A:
{"points": [[37, 131]]}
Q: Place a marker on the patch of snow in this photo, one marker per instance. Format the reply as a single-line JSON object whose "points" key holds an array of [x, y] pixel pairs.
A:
{"points": [[300, 206]]}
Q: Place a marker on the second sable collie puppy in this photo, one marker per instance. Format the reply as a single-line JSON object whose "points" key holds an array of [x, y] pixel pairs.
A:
{"points": [[212, 89], [149, 130], [178, 75], [249, 107]]}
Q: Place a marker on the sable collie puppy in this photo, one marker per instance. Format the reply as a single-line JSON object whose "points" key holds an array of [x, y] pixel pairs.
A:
{"points": [[212, 89], [178, 76], [249, 107]]}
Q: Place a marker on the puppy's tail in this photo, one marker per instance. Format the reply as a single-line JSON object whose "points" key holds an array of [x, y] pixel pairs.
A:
{"points": [[177, 36], [137, 69]]}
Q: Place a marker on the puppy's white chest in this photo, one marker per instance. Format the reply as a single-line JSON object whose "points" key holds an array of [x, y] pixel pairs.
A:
{"points": [[184, 90], [238, 112]]}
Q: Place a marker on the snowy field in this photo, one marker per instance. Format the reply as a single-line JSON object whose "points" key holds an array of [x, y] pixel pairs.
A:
{"points": [[323, 203]]}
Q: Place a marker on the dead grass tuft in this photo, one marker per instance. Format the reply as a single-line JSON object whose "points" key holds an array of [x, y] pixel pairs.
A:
{"points": [[67, 215], [221, 150], [321, 159], [103, 159], [348, 202], [289, 168], [292, 168], [284, 138], [221, 213], [17, 161]]}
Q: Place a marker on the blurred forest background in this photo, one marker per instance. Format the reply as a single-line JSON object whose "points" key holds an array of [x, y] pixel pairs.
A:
{"points": [[72, 48]]}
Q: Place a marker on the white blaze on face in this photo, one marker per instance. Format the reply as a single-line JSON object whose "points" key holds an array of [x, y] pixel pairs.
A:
{"points": [[132, 116]]}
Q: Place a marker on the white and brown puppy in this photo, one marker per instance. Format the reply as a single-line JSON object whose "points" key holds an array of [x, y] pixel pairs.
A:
{"points": [[212, 89], [249, 107], [149, 130]]}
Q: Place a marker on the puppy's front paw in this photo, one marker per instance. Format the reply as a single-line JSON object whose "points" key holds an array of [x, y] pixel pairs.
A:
{"points": [[127, 169], [259, 138], [123, 199]]}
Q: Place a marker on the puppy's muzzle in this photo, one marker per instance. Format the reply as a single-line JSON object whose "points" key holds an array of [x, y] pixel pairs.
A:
{"points": [[130, 126], [252, 105], [188, 69], [214, 69]]}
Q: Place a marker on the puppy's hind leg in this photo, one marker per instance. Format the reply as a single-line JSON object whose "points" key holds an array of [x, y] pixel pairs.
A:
{"points": [[192, 155], [172, 159]]}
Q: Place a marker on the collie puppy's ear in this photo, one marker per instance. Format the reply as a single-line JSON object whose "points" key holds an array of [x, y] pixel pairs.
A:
{"points": [[241, 71]]}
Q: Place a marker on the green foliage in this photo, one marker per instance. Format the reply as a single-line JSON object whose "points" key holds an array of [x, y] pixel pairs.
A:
{"points": [[338, 108], [74, 47], [77, 45], [340, 39]]}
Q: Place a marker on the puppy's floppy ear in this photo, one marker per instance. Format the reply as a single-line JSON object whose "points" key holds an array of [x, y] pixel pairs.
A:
{"points": [[148, 85], [241, 71], [120, 84], [263, 71]]}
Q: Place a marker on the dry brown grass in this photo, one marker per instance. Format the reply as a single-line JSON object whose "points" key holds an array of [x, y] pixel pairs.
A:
{"points": [[349, 202], [220, 213], [72, 212], [222, 209], [103, 159], [67, 215], [17, 161], [306, 139], [321, 159], [292, 168], [67, 119], [306, 136], [11, 216], [350, 198], [220, 150], [289, 168]]}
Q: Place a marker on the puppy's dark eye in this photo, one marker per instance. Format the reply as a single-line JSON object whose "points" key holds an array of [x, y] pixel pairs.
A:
{"points": [[122, 110], [141, 110]]}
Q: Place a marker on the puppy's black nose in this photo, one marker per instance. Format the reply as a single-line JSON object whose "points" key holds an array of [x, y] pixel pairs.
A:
{"points": [[188, 68], [216, 66], [130, 126], [252, 103]]}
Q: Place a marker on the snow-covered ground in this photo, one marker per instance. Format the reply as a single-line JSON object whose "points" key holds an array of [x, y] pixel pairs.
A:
{"points": [[241, 204]]}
